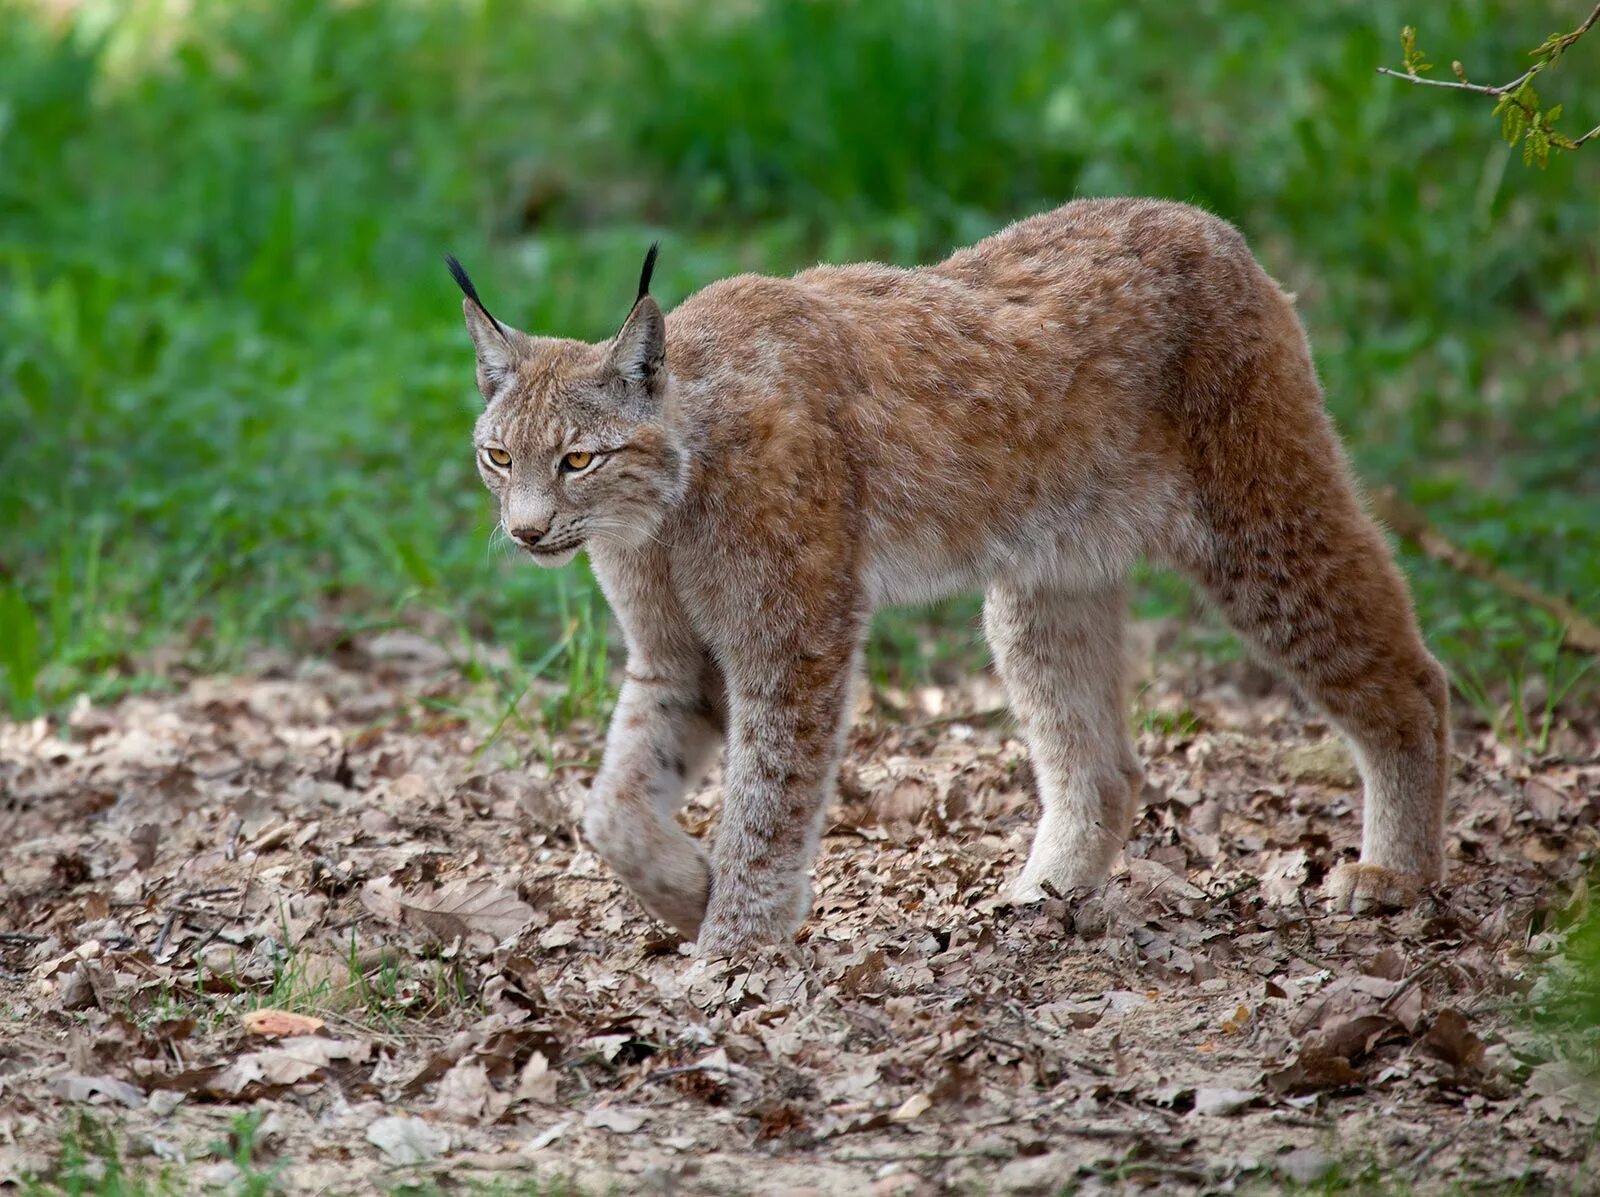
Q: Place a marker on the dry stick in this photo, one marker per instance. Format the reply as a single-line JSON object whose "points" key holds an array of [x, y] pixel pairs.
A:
{"points": [[1515, 85], [1578, 631]]}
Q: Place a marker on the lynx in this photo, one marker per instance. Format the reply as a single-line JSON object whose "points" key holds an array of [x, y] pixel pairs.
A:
{"points": [[754, 474]]}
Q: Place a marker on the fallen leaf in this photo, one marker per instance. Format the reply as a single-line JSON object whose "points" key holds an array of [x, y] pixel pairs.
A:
{"points": [[1283, 876], [463, 908], [913, 1107], [466, 1095], [87, 1088], [536, 1082], [1452, 1040], [1220, 1102], [560, 935], [289, 1063], [278, 1023], [547, 1136], [624, 1120], [1314, 1068], [405, 1140]]}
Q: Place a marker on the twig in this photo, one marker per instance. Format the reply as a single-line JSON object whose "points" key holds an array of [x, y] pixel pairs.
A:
{"points": [[1246, 886], [895, 1157], [1458, 84], [1578, 631], [161, 937], [1537, 126], [986, 715], [1556, 46], [666, 1074], [1410, 982]]}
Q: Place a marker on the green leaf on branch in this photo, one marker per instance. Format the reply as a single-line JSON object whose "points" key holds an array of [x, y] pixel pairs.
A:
{"points": [[1551, 48], [1536, 146], [1413, 56]]}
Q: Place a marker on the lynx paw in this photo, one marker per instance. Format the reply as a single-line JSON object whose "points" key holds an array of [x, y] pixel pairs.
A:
{"points": [[1035, 884], [1370, 889], [662, 864], [740, 919]]}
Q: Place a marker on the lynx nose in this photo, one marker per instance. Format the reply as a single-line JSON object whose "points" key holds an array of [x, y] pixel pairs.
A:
{"points": [[528, 535]]}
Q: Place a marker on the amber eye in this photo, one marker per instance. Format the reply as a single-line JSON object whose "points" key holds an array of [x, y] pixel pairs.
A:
{"points": [[576, 461], [499, 456]]}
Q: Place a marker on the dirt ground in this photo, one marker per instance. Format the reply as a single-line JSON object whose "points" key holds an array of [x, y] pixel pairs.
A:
{"points": [[479, 999]]}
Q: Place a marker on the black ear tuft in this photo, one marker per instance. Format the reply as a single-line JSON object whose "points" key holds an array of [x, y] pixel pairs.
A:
{"points": [[649, 269], [459, 273]]}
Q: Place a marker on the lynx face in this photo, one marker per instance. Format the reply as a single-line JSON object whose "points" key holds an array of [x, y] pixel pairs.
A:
{"points": [[573, 441]]}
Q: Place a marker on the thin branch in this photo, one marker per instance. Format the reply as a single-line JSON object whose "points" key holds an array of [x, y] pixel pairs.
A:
{"points": [[1578, 631], [1533, 126], [1458, 84]]}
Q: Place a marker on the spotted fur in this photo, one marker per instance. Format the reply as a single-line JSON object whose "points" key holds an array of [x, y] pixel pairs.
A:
{"points": [[1112, 381]]}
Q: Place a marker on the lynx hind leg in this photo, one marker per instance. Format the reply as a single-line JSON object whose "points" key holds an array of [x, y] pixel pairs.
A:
{"points": [[1061, 657], [1301, 571]]}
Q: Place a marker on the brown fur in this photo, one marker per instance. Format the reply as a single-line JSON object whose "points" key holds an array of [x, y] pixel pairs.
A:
{"points": [[1110, 381]]}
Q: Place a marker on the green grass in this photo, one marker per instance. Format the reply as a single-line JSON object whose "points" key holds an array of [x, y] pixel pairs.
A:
{"points": [[1565, 1000], [235, 397], [94, 1160]]}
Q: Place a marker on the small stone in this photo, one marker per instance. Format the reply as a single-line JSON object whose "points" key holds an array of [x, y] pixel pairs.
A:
{"points": [[1306, 1165], [222, 1175], [1327, 762], [1036, 1174]]}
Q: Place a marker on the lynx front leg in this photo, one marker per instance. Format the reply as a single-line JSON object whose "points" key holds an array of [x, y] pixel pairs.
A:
{"points": [[663, 734], [1061, 657], [785, 736]]}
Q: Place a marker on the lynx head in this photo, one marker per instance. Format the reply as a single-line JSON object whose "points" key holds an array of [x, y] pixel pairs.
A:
{"points": [[573, 440]]}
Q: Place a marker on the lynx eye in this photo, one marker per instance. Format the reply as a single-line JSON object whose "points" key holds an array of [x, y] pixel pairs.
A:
{"points": [[498, 457], [576, 461]]}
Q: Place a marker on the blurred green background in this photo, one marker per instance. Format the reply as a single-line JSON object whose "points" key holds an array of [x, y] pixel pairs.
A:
{"points": [[235, 394]]}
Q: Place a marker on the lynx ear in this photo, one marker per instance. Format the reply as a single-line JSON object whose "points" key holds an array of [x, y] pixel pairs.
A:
{"points": [[498, 347], [639, 350]]}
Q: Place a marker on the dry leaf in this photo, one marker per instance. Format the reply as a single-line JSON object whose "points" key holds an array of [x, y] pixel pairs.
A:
{"points": [[547, 1136], [560, 935], [405, 1140], [536, 1082], [913, 1107], [278, 1023], [1453, 1041], [87, 1088], [290, 1062], [624, 1120], [1283, 876], [1219, 1102], [1017, 1029], [464, 908], [465, 1094]]}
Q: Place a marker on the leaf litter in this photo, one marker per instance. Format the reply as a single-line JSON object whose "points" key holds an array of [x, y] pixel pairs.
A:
{"points": [[312, 892]]}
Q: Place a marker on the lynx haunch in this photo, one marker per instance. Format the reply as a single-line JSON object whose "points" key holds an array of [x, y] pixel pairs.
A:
{"points": [[755, 473]]}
